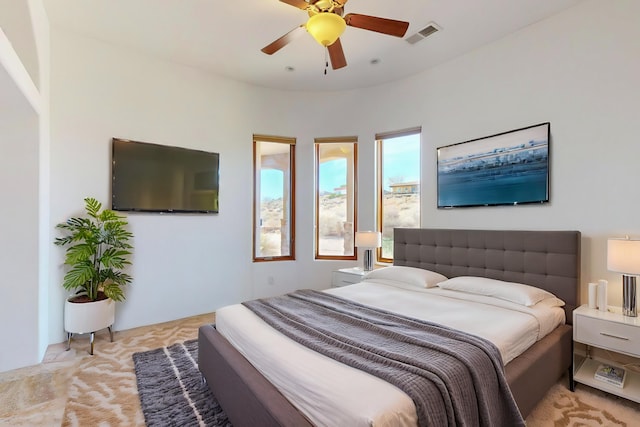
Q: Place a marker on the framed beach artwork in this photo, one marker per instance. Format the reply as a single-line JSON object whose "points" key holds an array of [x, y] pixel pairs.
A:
{"points": [[509, 168]]}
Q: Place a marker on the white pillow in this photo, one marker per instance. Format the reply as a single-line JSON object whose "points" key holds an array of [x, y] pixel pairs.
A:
{"points": [[515, 292], [408, 275]]}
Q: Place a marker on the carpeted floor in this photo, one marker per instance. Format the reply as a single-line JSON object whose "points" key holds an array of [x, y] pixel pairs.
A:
{"points": [[75, 389], [586, 407]]}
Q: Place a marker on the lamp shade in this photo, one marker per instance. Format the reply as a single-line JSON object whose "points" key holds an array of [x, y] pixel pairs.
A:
{"points": [[326, 27], [368, 239], [623, 256]]}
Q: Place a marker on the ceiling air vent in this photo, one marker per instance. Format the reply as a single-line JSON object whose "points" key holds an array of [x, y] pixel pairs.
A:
{"points": [[423, 33]]}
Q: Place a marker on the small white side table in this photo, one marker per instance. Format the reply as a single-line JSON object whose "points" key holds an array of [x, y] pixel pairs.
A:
{"points": [[609, 331]]}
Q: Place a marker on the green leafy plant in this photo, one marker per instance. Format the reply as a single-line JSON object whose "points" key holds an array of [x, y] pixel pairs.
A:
{"points": [[98, 249]]}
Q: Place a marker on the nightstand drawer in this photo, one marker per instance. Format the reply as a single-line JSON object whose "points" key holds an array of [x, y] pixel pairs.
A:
{"points": [[346, 276], [338, 282], [610, 335]]}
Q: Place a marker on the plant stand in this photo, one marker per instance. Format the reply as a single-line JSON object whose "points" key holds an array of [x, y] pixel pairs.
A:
{"points": [[91, 339]]}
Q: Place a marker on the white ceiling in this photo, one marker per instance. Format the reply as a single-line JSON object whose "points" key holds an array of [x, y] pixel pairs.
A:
{"points": [[225, 36]]}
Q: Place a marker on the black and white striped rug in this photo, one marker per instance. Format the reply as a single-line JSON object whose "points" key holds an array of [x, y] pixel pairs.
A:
{"points": [[171, 389]]}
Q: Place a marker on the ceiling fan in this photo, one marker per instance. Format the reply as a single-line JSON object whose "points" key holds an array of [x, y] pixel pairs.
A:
{"points": [[326, 23]]}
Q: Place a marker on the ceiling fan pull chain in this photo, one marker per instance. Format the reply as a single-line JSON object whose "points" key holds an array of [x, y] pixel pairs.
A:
{"points": [[326, 60]]}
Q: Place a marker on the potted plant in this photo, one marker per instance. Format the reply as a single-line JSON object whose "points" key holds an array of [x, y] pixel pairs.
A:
{"points": [[97, 251]]}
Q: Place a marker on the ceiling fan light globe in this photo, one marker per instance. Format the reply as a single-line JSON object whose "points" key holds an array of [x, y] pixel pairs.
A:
{"points": [[326, 27]]}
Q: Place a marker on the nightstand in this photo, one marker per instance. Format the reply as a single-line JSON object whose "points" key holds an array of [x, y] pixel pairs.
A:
{"points": [[346, 276], [610, 331]]}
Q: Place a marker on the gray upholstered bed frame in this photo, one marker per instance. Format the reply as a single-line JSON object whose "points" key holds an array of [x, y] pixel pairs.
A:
{"points": [[547, 259]]}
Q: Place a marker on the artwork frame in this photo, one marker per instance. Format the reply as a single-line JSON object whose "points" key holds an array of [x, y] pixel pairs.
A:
{"points": [[507, 168]]}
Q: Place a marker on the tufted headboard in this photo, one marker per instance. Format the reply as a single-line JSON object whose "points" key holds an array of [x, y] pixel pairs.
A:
{"points": [[546, 259]]}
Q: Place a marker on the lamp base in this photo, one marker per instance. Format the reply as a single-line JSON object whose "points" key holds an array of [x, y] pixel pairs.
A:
{"points": [[368, 260], [629, 290]]}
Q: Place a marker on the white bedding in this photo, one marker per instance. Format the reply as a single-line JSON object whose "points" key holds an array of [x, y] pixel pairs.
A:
{"points": [[332, 394]]}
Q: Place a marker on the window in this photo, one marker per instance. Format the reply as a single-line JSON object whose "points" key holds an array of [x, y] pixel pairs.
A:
{"points": [[335, 166], [273, 189], [398, 185]]}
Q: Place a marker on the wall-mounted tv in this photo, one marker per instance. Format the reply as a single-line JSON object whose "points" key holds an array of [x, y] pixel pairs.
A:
{"points": [[157, 178], [509, 168]]}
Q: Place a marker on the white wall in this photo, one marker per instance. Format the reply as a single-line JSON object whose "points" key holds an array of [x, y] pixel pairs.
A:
{"points": [[23, 139], [41, 35], [577, 70], [16, 23], [183, 264], [18, 235]]}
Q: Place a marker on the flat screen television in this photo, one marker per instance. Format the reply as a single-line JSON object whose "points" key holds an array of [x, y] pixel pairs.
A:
{"points": [[509, 168], [158, 178]]}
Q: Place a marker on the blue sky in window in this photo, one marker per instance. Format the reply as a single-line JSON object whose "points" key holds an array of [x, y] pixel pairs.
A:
{"points": [[271, 182], [400, 161], [332, 175]]}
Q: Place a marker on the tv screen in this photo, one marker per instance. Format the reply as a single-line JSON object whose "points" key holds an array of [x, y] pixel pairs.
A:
{"points": [[509, 168], [157, 178]]}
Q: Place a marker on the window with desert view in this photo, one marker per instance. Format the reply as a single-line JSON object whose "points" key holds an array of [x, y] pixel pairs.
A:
{"points": [[274, 198], [336, 191], [398, 185]]}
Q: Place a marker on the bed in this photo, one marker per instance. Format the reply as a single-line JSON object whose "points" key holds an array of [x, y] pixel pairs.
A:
{"points": [[548, 260]]}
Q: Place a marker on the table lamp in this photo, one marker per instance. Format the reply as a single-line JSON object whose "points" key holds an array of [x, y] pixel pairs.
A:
{"points": [[623, 256], [368, 240]]}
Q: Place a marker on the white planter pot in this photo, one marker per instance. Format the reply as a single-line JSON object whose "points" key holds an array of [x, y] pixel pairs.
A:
{"points": [[88, 317]]}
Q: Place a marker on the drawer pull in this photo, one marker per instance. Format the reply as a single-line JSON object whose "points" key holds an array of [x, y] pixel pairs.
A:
{"points": [[614, 336]]}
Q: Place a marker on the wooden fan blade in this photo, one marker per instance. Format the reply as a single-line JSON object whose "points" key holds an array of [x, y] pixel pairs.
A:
{"points": [[275, 46], [336, 54], [300, 4], [380, 25]]}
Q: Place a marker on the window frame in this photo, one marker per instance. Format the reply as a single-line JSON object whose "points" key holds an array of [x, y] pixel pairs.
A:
{"points": [[335, 140], [379, 138], [257, 138]]}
